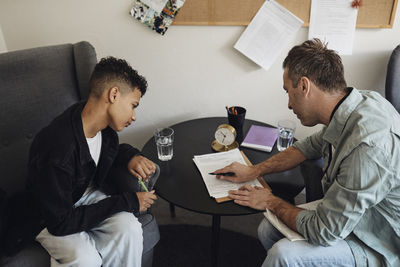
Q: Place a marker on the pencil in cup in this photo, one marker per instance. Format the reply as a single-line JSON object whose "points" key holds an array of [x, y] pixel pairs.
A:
{"points": [[232, 110]]}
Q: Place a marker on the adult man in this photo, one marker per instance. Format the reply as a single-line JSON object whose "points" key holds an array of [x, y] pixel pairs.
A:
{"points": [[69, 172], [357, 222]]}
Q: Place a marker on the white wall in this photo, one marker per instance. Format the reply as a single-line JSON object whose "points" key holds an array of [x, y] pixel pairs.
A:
{"points": [[3, 47], [193, 71]]}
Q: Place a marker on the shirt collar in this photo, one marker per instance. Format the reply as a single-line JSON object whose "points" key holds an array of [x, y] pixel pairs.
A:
{"points": [[109, 144], [340, 115], [79, 133], [348, 91]]}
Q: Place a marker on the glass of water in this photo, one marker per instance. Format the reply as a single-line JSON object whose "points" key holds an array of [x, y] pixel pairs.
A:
{"points": [[286, 134], [164, 138]]}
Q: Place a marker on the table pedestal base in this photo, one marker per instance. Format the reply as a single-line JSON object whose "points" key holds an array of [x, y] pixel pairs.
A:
{"points": [[172, 210], [216, 223]]}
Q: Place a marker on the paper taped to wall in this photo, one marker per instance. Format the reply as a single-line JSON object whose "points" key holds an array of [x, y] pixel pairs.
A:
{"points": [[268, 34]]}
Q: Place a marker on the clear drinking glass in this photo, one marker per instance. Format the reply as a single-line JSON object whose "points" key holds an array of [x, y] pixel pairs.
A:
{"points": [[164, 138], [286, 134]]}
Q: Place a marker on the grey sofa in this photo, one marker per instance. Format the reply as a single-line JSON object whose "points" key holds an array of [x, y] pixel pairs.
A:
{"points": [[36, 85]]}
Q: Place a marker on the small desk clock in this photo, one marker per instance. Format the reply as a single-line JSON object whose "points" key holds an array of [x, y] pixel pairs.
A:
{"points": [[224, 138]]}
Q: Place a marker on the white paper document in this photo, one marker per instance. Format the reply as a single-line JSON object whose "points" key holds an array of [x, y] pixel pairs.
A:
{"points": [[283, 228], [268, 34], [210, 162], [334, 22]]}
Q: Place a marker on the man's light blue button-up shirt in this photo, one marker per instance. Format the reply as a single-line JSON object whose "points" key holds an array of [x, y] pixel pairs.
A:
{"points": [[361, 183]]}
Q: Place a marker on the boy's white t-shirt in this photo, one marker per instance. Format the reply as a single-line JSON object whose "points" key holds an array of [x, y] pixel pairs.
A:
{"points": [[94, 144]]}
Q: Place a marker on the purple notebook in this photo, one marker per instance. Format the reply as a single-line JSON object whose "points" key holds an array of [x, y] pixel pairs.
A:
{"points": [[261, 138]]}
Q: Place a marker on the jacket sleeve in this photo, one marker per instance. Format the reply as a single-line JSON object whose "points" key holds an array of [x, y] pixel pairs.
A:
{"points": [[53, 189], [125, 154], [118, 176]]}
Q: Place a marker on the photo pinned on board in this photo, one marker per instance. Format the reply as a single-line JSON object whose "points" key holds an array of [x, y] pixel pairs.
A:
{"points": [[139, 11], [158, 15]]}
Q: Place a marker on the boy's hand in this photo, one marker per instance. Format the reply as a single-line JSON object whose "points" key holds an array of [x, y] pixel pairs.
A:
{"points": [[146, 199], [141, 167]]}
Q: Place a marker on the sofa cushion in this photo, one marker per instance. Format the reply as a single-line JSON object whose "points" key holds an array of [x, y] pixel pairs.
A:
{"points": [[33, 255], [23, 222], [85, 60], [151, 234]]}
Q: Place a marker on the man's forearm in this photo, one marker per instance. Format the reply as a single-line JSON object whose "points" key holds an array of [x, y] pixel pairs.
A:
{"points": [[282, 161], [286, 212]]}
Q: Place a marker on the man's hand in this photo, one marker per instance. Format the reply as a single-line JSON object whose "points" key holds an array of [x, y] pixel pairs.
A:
{"points": [[254, 197], [141, 167], [243, 173], [146, 199], [260, 198]]}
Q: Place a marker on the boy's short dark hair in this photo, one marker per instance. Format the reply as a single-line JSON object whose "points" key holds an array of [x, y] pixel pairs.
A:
{"points": [[315, 61], [111, 71]]}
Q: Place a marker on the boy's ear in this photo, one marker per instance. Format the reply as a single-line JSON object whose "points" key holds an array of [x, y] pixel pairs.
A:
{"points": [[113, 94]]}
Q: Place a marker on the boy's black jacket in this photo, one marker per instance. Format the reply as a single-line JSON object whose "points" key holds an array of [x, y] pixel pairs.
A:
{"points": [[19, 222], [61, 167]]}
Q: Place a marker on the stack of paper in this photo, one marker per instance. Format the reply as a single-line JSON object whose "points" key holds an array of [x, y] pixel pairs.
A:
{"points": [[210, 162], [283, 228]]}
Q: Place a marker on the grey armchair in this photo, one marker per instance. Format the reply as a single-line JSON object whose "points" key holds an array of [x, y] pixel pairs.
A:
{"points": [[311, 170], [392, 88], [36, 85]]}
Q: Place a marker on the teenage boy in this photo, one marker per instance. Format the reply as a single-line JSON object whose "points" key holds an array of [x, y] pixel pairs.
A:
{"points": [[69, 173]]}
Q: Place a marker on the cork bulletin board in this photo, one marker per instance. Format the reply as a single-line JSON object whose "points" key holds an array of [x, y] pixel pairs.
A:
{"points": [[372, 14]]}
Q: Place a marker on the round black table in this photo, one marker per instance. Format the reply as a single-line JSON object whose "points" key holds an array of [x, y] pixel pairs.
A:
{"points": [[180, 182]]}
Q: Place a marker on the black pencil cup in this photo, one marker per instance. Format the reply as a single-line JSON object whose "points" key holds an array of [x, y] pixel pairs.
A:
{"points": [[236, 117]]}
